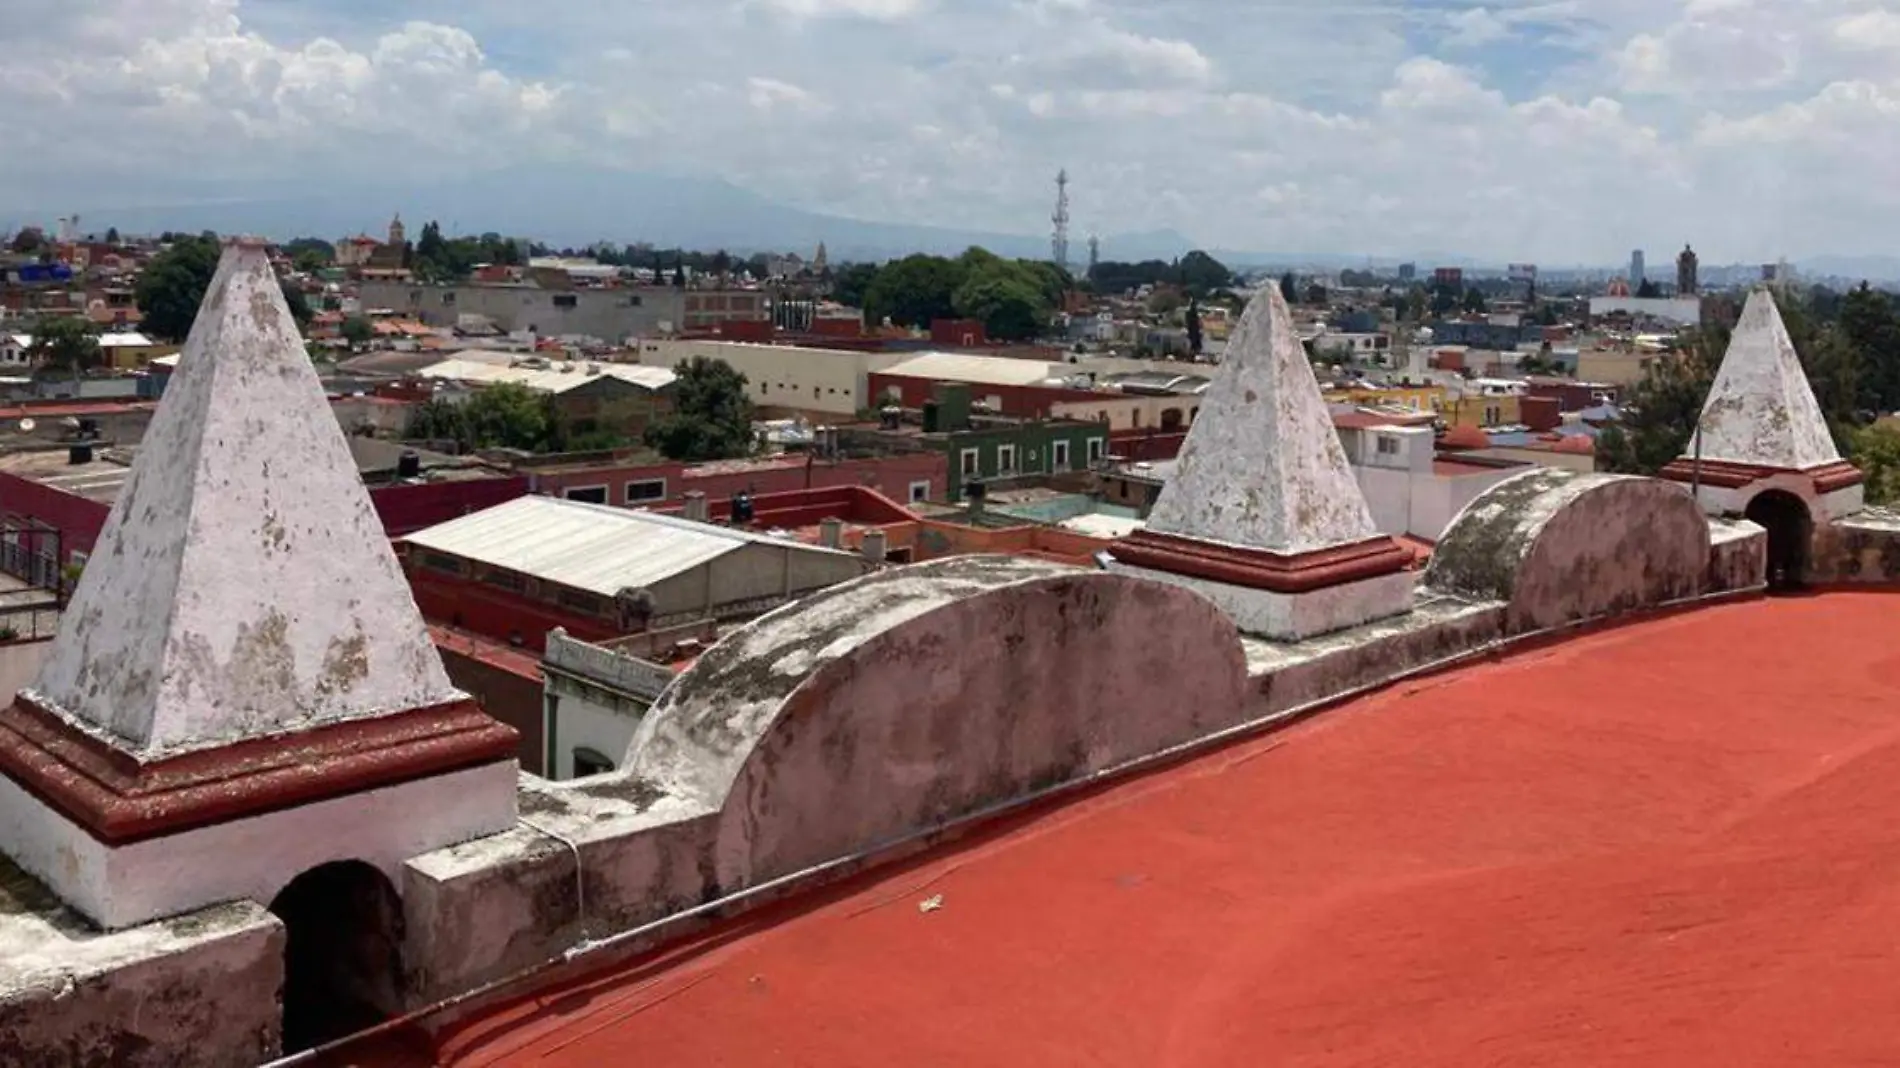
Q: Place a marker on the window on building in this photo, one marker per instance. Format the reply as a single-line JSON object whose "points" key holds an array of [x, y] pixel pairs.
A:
{"points": [[1060, 453], [566, 300], [586, 604], [587, 494], [919, 492], [506, 580], [1135, 418], [443, 562], [448, 299], [588, 762], [1006, 459], [970, 465], [646, 491], [1097, 448], [1388, 446]]}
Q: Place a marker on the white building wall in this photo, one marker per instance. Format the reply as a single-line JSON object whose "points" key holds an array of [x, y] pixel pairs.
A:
{"points": [[582, 723], [828, 381]]}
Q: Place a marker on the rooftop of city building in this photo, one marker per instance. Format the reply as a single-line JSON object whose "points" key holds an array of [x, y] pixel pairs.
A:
{"points": [[1561, 858]]}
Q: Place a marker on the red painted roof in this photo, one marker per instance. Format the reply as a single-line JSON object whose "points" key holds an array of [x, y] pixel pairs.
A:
{"points": [[1644, 846], [1465, 437]]}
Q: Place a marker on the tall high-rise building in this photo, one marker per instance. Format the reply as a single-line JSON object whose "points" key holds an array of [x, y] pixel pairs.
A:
{"points": [[1686, 264], [1638, 270]]}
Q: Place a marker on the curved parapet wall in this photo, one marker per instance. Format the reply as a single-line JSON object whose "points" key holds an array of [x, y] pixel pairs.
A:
{"points": [[1560, 547], [900, 702]]}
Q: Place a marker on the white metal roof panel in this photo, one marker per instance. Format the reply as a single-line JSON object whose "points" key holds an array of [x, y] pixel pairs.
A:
{"points": [[587, 546], [978, 370]]}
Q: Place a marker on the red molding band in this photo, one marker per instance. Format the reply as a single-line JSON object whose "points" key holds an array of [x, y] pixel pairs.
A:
{"points": [[1260, 569], [119, 799]]}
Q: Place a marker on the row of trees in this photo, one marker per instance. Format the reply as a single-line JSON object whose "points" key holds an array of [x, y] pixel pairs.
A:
{"points": [[1849, 345], [1200, 274], [711, 419], [1013, 299]]}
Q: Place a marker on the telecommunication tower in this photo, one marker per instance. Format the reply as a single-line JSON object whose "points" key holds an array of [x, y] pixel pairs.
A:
{"points": [[1060, 242]]}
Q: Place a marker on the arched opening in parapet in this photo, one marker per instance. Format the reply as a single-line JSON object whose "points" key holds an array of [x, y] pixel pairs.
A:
{"points": [[342, 955], [1790, 530]]}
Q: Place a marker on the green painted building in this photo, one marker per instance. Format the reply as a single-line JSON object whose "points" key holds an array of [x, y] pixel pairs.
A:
{"points": [[983, 447]]}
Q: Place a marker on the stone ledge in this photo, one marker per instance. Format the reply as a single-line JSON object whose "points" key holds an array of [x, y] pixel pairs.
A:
{"points": [[118, 799], [206, 982]]}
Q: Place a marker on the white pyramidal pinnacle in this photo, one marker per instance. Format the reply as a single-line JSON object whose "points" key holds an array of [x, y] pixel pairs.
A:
{"points": [[1761, 409], [1262, 467], [243, 585]]}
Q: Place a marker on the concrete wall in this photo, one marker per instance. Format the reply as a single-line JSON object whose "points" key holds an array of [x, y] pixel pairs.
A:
{"points": [[828, 381], [609, 314], [200, 989], [1421, 505], [1560, 548], [1862, 550]]}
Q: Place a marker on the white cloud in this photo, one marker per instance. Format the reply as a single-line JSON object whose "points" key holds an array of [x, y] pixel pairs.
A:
{"points": [[1753, 127]]}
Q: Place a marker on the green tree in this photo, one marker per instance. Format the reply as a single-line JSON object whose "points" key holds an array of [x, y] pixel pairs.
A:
{"points": [[1876, 451], [1316, 294], [28, 241], [1869, 323], [1290, 288], [358, 330], [66, 346], [173, 285], [1006, 297], [848, 286], [1194, 327], [1475, 302], [915, 291], [1661, 411], [1202, 274], [711, 417], [112, 236], [1648, 290]]}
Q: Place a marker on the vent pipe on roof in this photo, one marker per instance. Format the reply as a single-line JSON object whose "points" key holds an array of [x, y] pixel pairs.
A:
{"points": [[831, 533], [876, 546], [696, 509]]}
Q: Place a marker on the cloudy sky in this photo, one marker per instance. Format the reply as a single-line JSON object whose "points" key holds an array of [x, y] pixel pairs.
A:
{"points": [[1559, 132]]}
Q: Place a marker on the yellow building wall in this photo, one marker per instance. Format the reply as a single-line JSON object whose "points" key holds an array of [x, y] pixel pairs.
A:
{"points": [[1417, 398], [1482, 412]]}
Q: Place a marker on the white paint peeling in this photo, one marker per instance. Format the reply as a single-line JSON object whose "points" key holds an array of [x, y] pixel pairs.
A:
{"points": [[1762, 410], [243, 584], [1263, 467]]}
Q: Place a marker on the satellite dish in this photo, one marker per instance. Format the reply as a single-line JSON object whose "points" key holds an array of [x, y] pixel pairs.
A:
{"points": [[27, 425]]}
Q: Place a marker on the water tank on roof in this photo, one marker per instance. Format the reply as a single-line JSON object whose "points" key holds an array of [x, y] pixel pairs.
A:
{"points": [[79, 454], [409, 464]]}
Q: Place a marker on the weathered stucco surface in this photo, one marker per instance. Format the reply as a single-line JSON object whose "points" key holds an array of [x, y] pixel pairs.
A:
{"points": [[1560, 547], [1262, 466], [242, 585], [1862, 550], [1761, 409], [200, 989], [1738, 556]]}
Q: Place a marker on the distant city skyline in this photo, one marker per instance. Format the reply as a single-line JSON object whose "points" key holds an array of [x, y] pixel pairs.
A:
{"points": [[1510, 130]]}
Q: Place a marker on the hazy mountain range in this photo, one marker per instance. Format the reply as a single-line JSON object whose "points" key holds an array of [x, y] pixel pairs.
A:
{"points": [[574, 207]]}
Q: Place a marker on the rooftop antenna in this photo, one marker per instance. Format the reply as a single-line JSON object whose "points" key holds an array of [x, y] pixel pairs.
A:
{"points": [[1059, 243]]}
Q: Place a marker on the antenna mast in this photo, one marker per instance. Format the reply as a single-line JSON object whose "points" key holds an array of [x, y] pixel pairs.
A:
{"points": [[1059, 244]]}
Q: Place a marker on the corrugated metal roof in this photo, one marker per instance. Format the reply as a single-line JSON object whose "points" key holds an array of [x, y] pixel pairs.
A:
{"points": [[978, 370], [560, 378], [589, 546]]}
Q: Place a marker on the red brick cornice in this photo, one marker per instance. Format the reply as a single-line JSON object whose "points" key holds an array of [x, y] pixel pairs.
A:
{"points": [[1723, 474], [1260, 569], [119, 799]]}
